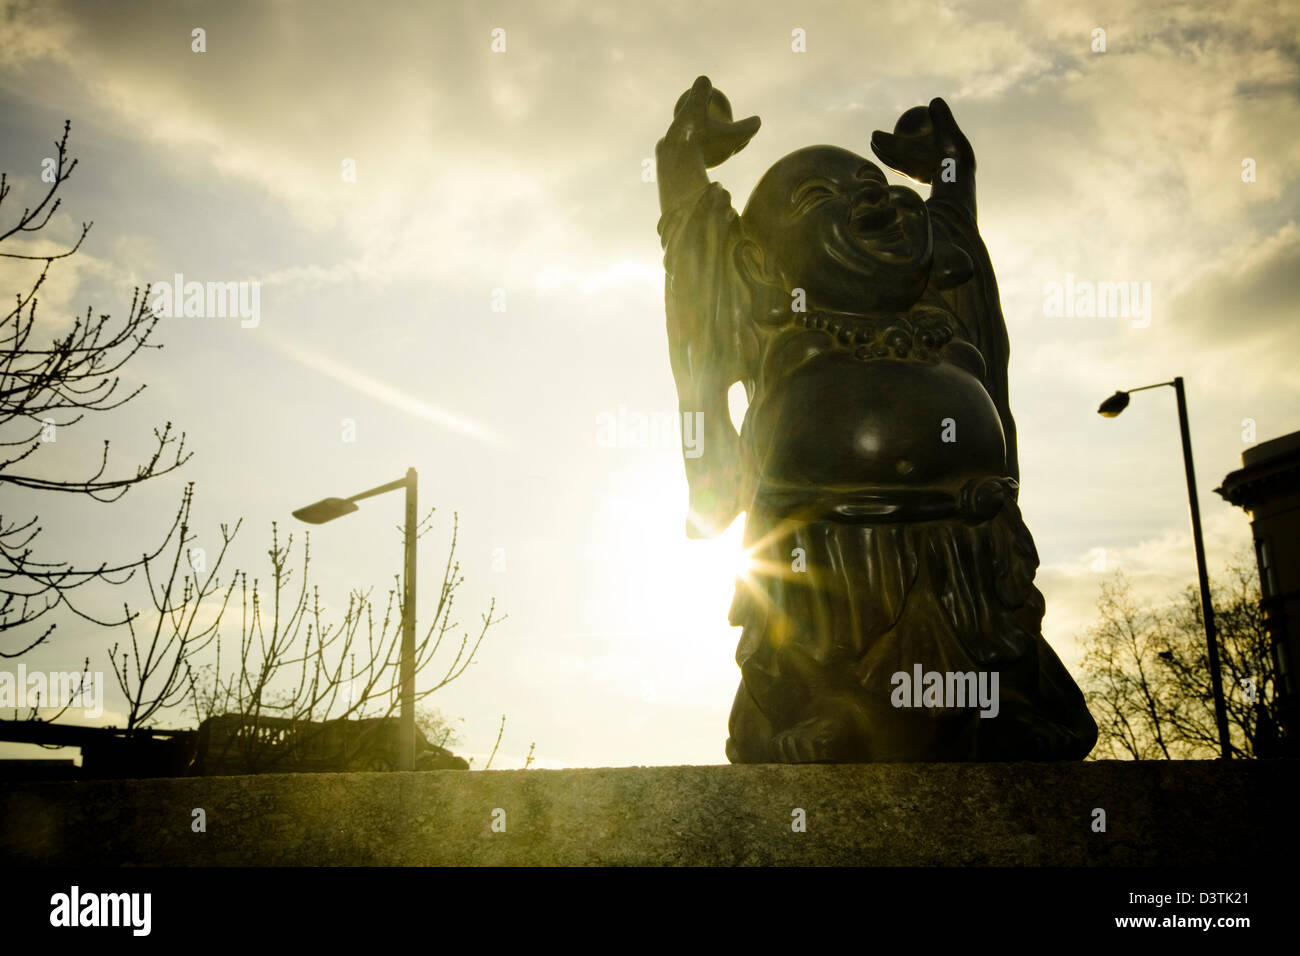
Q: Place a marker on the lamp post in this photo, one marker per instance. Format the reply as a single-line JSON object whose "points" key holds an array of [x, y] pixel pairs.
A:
{"points": [[328, 509], [1110, 408]]}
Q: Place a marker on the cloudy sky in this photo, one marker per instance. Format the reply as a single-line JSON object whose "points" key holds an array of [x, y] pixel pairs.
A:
{"points": [[515, 177]]}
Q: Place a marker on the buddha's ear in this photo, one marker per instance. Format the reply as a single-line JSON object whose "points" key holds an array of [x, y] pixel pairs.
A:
{"points": [[951, 266], [753, 264], [764, 293]]}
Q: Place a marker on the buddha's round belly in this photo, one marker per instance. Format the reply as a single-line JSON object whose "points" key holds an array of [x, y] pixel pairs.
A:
{"points": [[837, 421]]}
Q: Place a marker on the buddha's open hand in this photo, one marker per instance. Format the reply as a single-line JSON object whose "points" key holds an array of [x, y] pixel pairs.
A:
{"points": [[702, 127], [922, 139]]}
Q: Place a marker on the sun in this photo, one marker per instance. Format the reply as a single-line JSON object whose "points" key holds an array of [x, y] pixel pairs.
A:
{"points": [[652, 577]]}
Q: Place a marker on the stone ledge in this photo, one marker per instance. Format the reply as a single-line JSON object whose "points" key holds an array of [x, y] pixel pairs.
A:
{"points": [[1157, 814]]}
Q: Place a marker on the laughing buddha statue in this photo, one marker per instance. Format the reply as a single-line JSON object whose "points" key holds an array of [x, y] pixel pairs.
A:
{"points": [[877, 461]]}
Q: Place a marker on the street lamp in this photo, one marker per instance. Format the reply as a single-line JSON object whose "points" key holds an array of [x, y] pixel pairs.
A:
{"points": [[327, 509], [1110, 408]]}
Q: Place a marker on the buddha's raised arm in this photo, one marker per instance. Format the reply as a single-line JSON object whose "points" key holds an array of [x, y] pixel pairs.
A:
{"points": [[699, 231], [928, 146]]}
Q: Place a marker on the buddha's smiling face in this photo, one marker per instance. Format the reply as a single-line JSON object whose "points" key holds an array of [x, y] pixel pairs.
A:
{"points": [[830, 223]]}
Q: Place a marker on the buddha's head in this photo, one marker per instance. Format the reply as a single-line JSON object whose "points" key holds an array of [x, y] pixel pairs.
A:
{"points": [[826, 220]]}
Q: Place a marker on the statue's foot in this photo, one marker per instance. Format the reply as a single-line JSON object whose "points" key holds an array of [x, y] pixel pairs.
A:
{"points": [[815, 740]]}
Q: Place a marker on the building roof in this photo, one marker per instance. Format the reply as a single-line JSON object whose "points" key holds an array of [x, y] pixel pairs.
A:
{"points": [[1268, 469]]}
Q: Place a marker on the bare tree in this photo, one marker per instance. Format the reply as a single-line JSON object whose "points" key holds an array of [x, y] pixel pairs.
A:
{"points": [[292, 663], [1246, 661], [1147, 678], [49, 383], [438, 728], [155, 674]]}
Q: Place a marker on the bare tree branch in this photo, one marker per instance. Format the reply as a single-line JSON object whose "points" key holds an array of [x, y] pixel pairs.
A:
{"points": [[47, 386]]}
